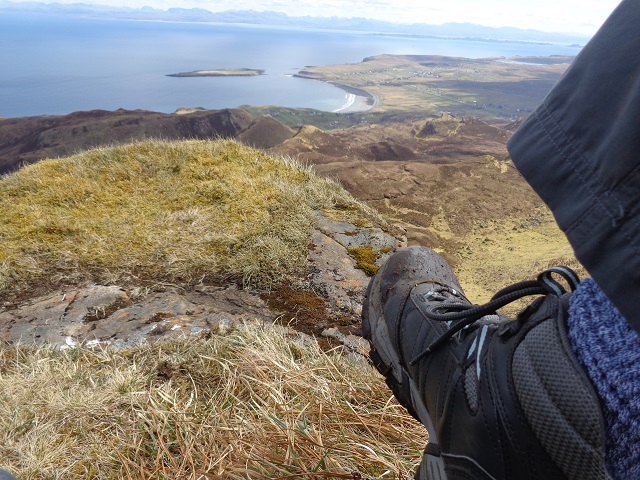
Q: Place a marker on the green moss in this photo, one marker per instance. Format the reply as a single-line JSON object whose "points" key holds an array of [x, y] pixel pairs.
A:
{"points": [[362, 223], [353, 214], [365, 258], [386, 250]]}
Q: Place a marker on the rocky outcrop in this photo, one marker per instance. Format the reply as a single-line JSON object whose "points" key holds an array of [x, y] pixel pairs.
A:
{"points": [[335, 273], [99, 314], [428, 130], [123, 317]]}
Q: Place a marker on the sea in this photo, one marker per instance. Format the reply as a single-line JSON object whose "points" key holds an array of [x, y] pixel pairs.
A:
{"points": [[57, 65]]}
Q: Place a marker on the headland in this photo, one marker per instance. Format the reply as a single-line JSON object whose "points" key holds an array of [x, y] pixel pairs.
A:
{"points": [[496, 87]]}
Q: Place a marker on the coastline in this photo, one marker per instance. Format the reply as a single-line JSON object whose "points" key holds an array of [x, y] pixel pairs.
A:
{"points": [[358, 100]]}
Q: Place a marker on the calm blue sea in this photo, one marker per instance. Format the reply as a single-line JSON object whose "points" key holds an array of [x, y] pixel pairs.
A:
{"points": [[57, 65]]}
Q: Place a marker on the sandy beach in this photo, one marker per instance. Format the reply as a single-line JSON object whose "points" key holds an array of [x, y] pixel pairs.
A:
{"points": [[357, 100], [357, 104]]}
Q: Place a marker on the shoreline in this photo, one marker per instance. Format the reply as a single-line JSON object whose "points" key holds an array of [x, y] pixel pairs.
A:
{"points": [[358, 99], [355, 104]]}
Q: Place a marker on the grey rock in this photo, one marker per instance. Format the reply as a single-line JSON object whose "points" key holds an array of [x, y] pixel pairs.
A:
{"points": [[353, 342], [53, 318], [333, 271], [335, 275], [94, 315]]}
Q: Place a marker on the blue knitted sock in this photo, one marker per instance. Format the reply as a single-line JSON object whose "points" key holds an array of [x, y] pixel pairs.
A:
{"points": [[609, 349]]}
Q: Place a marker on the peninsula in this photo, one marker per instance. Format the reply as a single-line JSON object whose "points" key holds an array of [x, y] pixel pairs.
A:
{"points": [[220, 72], [498, 87]]}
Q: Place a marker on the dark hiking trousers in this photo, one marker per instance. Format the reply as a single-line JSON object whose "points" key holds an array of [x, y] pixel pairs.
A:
{"points": [[580, 151]]}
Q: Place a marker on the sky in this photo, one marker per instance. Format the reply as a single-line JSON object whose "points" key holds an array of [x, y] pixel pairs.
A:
{"points": [[568, 16]]}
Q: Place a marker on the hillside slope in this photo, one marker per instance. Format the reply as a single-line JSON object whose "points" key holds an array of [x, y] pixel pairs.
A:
{"points": [[449, 182], [29, 139], [180, 212]]}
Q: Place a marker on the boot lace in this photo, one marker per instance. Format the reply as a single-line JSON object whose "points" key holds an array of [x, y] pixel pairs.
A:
{"points": [[462, 315]]}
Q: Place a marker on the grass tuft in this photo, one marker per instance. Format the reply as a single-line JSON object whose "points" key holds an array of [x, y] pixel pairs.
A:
{"points": [[177, 212], [255, 404]]}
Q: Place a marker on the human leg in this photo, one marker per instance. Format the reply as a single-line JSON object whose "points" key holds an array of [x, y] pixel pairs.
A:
{"points": [[580, 152], [4, 475], [609, 349]]}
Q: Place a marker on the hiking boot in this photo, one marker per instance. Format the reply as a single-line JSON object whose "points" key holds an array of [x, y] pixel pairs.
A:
{"points": [[501, 399]]}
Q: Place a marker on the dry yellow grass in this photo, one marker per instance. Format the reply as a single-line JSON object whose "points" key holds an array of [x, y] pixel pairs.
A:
{"points": [[256, 404], [509, 250], [177, 212]]}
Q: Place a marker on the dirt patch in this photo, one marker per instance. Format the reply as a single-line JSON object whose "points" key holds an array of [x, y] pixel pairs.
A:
{"points": [[300, 309]]}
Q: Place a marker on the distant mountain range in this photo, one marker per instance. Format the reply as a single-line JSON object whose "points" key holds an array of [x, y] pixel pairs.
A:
{"points": [[447, 30]]}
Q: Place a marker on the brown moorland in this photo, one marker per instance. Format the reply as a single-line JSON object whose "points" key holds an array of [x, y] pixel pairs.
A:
{"points": [[451, 184], [30, 139]]}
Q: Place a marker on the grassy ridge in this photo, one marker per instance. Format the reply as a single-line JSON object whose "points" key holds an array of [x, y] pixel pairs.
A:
{"points": [[179, 212]]}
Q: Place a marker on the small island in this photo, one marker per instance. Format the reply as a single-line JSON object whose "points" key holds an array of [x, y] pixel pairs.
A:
{"points": [[220, 72]]}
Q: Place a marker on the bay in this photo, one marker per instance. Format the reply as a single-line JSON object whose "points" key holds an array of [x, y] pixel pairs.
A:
{"points": [[57, 65]]}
